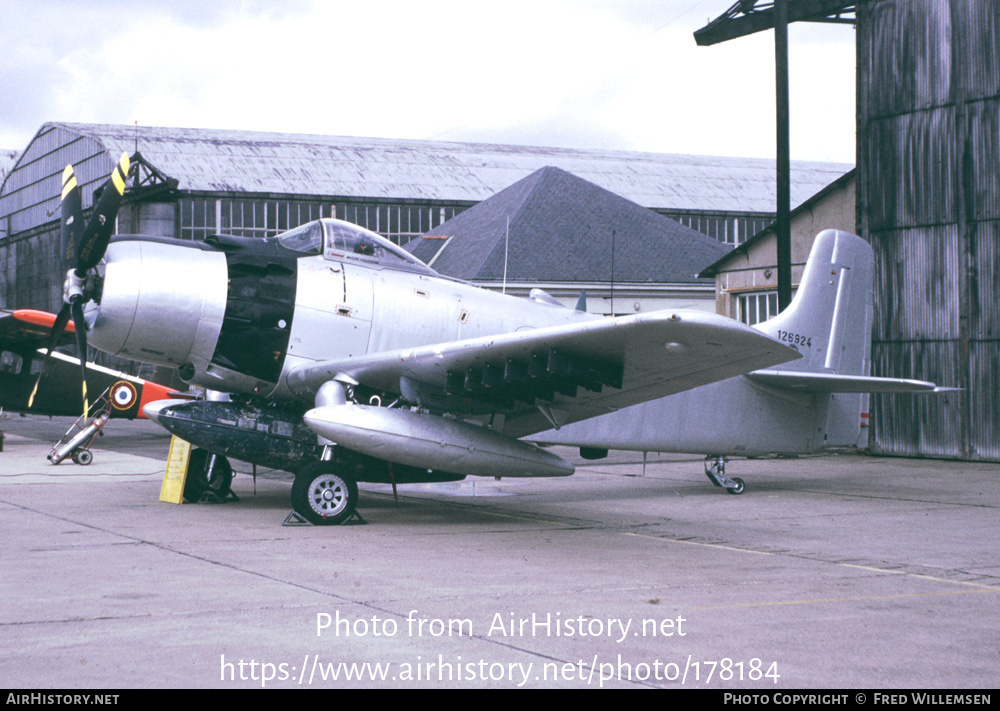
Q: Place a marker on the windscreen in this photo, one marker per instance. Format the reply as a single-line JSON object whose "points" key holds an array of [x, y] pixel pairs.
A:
{"points": [[344, 239], [307, 238]]}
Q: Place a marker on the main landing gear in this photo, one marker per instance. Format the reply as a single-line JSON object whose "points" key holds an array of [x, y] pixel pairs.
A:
{"points": [[208, 474], [715, 470], [324, 493]]}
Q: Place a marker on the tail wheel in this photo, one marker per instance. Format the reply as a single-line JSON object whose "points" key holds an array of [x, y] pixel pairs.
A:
{"points": [[207, 472], [738, 488], [323, 494]]}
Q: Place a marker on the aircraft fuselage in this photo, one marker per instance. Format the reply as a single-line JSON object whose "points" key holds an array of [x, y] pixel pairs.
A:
{"points": [[243, 314]]}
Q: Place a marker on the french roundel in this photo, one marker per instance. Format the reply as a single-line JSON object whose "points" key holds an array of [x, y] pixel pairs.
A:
{"points": [[123, 395]]}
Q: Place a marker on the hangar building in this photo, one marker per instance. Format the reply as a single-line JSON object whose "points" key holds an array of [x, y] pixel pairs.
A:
{"points": [[929, 203], [190, 183], [7, 159], [927, 199]]}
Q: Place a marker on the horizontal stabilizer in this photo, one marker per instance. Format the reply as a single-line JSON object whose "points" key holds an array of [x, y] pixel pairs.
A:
{"points": [[833, 383]]}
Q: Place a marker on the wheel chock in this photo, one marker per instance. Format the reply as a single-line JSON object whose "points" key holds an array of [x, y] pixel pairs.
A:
{"points": [[210, 497], [294, 519]]}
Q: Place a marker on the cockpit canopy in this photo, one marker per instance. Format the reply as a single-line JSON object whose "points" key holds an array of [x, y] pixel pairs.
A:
{"points": [[336, 239]]}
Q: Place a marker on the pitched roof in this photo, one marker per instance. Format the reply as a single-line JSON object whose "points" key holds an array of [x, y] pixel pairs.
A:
{"points": [[561, 229], [285, 163], [771, 231]]}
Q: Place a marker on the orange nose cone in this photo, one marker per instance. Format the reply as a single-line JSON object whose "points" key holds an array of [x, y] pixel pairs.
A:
{"points": [[151, 392]]}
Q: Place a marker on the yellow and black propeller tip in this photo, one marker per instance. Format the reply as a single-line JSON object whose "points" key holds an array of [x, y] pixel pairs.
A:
{"points": [[94, 241]]}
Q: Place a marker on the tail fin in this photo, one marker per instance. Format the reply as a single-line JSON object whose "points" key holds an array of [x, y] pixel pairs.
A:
{"points": [[829, 320]]}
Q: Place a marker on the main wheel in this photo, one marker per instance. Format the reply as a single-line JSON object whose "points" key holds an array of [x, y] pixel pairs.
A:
{"points": [[200, 479], [323, 494]]}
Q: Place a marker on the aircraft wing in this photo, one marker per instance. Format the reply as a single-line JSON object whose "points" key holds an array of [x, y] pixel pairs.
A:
{"points": [[548, 377], [27, 327]]}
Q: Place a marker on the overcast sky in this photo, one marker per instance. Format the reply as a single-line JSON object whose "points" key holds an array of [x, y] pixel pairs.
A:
{"points": [[621, 74]]}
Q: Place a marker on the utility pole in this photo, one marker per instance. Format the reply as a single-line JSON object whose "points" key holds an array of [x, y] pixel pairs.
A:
{"points": [[746, 17], [783, 225]]}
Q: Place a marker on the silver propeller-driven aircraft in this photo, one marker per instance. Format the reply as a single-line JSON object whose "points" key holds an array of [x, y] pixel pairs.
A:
{"points": [[337, 355]]}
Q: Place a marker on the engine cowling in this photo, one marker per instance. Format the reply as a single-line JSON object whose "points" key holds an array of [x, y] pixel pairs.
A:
{"points": [[160, 303]]}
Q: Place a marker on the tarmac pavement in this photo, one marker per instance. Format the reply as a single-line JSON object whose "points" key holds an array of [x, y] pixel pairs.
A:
{"points": [[841, 571]]}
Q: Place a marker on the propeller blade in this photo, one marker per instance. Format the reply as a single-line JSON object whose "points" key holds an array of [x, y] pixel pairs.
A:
{"points": [[57, 328], [81, 341], [94, 242], [72, 218], [87, 245]]}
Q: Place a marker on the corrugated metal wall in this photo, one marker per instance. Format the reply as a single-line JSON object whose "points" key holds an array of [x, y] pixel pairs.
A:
{"points": [[929, 201]]}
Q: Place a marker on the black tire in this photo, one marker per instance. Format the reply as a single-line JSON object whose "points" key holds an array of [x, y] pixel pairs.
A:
{"points": [[198, 482], [323, 494], [83, 457], [738, 489]]}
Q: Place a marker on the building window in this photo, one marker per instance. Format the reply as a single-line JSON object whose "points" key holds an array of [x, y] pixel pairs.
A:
{"points": [[201, 217], [728, 229], [397, 223], [756, 307]]}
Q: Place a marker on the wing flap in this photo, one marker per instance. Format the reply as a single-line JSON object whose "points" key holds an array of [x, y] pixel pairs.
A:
{"points": [[576, 371]]}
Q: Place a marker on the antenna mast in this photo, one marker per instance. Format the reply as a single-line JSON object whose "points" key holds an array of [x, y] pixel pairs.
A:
{"points": [[613, 234], [506, 247]]}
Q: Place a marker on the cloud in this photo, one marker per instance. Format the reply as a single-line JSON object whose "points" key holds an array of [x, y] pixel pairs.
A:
{"points": [[623, 75]]}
